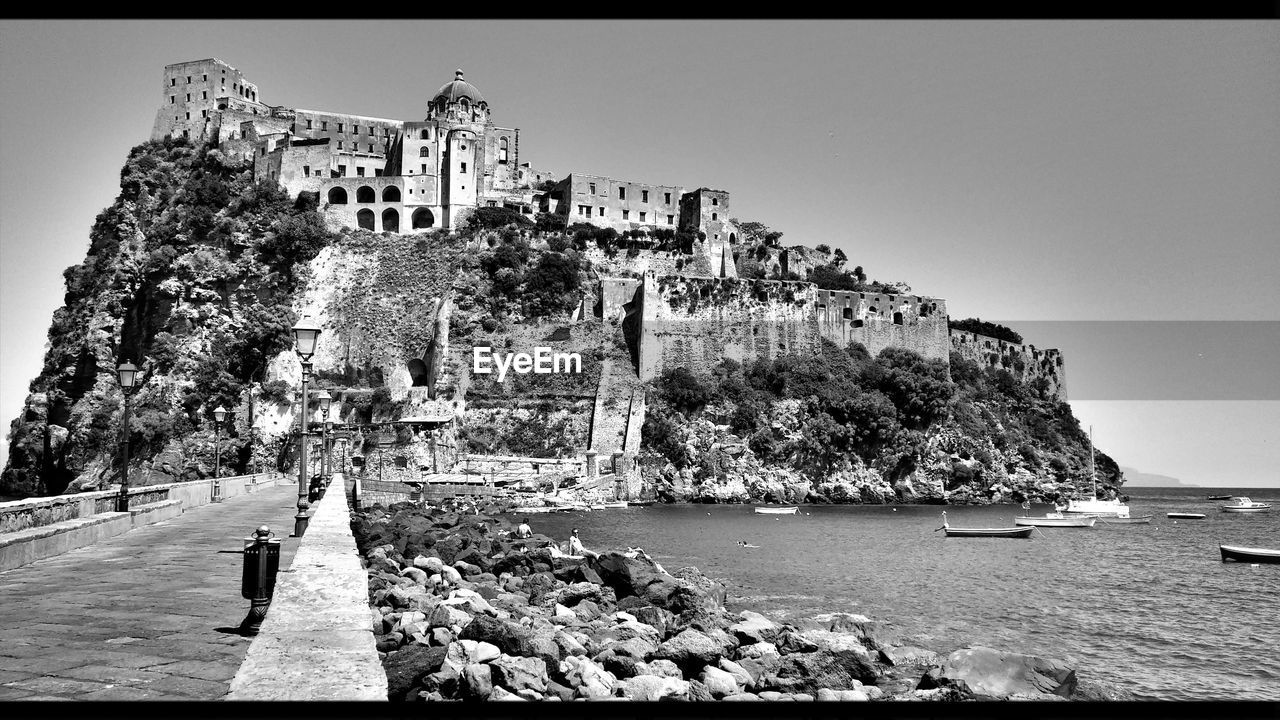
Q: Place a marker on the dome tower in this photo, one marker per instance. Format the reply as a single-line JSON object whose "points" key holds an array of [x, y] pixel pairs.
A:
{"points": [[458, 101]]}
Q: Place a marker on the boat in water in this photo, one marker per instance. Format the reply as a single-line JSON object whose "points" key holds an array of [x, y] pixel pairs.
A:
{"points": [[1124, 519], [1244, 505], [1185, 516], [1248, 554], [1219, 497], [1094, 506], [777, 510], [1056, 520], [615, 504], [1013, 532]]}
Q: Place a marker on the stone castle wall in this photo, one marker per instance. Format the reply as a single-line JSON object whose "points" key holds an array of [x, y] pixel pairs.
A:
{"points": [[696, 322], [881, 320], [1024, 362]]}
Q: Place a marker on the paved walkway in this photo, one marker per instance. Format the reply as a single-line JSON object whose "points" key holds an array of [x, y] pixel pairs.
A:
{"points": [[147, 615]]}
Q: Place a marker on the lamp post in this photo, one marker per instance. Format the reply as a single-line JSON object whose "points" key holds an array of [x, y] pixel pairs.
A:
{"points": [[127, 375], [328, 451], [325, 400], [219, 414], [305, 334]]}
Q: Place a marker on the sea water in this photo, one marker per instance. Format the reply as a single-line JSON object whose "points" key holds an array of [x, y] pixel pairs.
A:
{"points": [[1149, 607]]}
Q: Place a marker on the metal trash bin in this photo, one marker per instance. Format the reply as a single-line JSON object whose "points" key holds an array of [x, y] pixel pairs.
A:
{"points": [[261, 564]]}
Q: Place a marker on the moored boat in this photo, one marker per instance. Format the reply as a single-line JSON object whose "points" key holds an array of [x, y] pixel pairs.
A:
{"points": [[1094, 505], [1185, 516], [616, 504], [1219, 497], [777, 510], [1056, 520], [1125, 519], [1248, 554], [1013, 532], [1244, 505]]}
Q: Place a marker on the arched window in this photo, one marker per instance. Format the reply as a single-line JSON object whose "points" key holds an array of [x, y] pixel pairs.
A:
{"points": [[364, 219], [502, 151], [365, 194], [424, 152], [391, 194], [897, 318], [337, 196], [425, 134], [422, 218], [390, 220]]}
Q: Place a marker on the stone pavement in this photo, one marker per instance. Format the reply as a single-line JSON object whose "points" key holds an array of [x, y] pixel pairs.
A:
{"points": [[147, 615]]}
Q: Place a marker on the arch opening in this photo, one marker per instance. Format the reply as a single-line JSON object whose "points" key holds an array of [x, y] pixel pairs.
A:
{"points": [[337, 196], [365, 194], [391, 194], [422, 218], [390, 220]]}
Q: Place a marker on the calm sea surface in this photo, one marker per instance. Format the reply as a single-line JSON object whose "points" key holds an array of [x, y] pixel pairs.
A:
{"points": [[1151, 607]]}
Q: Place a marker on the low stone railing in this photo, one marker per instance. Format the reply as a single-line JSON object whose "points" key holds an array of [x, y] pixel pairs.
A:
{"points": [[317, 642], [36, 528]]}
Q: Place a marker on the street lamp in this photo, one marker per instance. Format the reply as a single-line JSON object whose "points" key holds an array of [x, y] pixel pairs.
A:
{"points": [[127, 375], [219, 414], [305, 334], [325, 400]]}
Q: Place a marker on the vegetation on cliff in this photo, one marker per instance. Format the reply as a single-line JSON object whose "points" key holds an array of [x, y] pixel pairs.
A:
{"points": [[190, 274], [840, 425], [981, 327]]}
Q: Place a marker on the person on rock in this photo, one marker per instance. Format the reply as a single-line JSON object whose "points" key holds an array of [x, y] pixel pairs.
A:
{"points": [[576, 548], [524, 531]]}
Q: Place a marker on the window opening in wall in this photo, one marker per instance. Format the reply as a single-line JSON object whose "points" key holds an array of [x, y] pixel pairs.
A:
{"points": [[188, 79], [173, 81], [204, 94], [644, 196], [715, 201], [666, 198], [188, 97], [502, 151], [377, 172], [308, 124], [424, 152], [626, 214], [642, 214], [584, 210], [306, 171], [463, 146], [172, 99], [463, 167], [324, 124], [340, 127], [622, 193], [601, 212], [425, 135], [205, 77], [671, 219], [370, 147], [342, 170], [391, 193], [359, 172], [424, 168], [713, 216], [355, 129], [188, 116], [847, 313], [339, 144], [591, 188]]}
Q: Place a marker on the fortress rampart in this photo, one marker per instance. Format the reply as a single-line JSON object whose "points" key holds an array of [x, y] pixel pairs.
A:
{"points": [[880, 320], [1024, 362]]}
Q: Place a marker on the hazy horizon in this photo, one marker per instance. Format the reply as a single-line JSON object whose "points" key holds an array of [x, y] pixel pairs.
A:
{"points": [[1047, 175]]}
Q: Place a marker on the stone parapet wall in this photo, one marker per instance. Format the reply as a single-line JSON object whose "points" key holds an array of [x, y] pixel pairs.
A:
{"points": [[1024, 362], [316, 642]]}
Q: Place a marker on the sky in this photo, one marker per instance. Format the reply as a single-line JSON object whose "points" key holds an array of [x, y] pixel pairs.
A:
{"points": [[1098, 185]]}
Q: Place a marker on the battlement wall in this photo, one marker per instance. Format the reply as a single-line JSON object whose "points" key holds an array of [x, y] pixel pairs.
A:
{"points": [[881, 320], [1024, 362], [695, 322]]}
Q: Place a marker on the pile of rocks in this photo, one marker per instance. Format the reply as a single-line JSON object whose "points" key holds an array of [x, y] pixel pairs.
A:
{"points": [[462, 610]]}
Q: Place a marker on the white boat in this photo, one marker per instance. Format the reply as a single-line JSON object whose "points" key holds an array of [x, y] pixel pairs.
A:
{"points": [[597, 506], [1244, 505], [616, 504], [777, 510], [1056, 520], [1094, 506]]}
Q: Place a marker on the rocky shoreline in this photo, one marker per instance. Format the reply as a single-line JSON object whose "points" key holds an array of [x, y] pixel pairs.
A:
{"points": [[462, 610]]}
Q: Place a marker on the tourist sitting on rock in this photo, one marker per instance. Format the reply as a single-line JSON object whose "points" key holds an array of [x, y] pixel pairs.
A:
{"points": [[639, 552], [524, 531], [576, 548]]}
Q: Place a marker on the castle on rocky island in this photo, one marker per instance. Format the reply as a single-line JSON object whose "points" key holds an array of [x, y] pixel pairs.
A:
{"points": [[408, 176]]}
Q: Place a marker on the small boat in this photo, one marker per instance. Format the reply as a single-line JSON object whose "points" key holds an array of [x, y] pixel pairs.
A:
{"points": [[1013, 532], [1056, 520], [777, 510], [1244, 505], [1248, 554], [1219, 497], [1095, 506], [1185, 516], [1125, 519], [613, 504]]}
